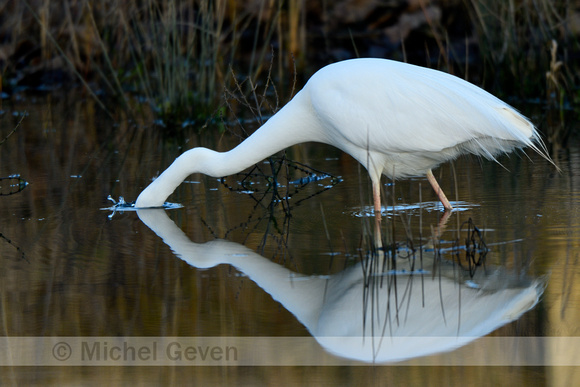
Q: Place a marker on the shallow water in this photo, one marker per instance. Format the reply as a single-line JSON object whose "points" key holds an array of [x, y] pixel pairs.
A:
{"points": [[296, 267]]}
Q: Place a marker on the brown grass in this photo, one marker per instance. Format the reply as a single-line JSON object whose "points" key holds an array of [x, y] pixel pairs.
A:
{"points": [[175, 56]]}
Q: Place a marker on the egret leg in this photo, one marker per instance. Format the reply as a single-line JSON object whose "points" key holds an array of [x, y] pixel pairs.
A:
{"points": [[377, 198], [378, 214], [438, 191]]}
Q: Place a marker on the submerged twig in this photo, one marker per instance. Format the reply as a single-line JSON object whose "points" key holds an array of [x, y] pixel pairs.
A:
{"points": [[15, 128]]}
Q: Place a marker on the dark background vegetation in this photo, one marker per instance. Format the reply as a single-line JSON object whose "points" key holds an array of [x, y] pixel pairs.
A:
{"points": [[169, 61]]}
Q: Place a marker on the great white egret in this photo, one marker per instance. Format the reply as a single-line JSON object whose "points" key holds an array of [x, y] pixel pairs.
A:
{"points": [[395, 118]]}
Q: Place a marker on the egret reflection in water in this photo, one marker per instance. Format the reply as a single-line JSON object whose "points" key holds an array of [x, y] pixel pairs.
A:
{"points": [[405, 315]]}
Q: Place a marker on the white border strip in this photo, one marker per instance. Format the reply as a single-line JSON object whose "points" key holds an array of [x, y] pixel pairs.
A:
{"points": [[268, 351]]}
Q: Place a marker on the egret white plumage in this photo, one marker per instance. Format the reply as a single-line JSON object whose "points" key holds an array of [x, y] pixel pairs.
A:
{"points": [[396, 119]]}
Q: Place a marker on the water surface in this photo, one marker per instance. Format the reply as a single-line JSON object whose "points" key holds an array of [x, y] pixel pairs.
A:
{"points": [[70, 270]]}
